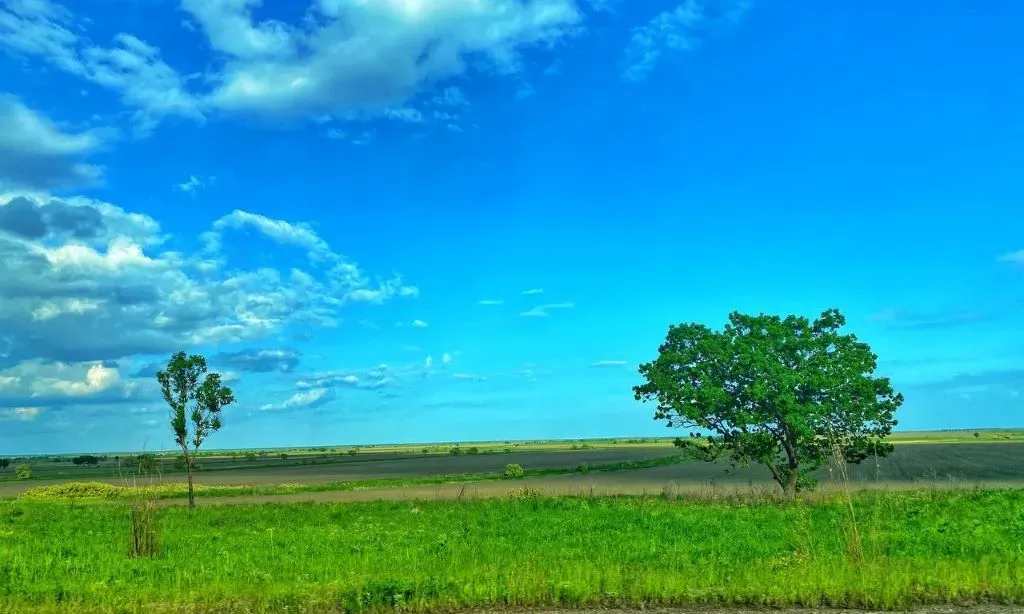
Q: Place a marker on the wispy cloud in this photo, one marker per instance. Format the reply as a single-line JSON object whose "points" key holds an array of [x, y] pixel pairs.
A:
{"points": [[608, 363], [471, 377], [194, 183], [900, 319], [1016, 257], [683, 28], [533, 291], [419, 324], [491, 301], [542, 311]]}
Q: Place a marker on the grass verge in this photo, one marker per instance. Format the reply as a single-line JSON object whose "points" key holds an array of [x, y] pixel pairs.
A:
{"points": [[524, 551], [174, 490]]}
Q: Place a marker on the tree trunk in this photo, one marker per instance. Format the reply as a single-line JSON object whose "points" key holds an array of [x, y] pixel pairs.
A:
{"points": [[191, 493]]}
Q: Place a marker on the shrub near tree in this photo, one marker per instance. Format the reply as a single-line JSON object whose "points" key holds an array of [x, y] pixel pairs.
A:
{"points": [[195, 406], [784, 392]]}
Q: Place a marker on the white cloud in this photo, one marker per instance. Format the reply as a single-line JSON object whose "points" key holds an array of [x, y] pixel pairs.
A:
{"points": [[473, 377], [343, 58], [542, 311], [428, 362], [451, 97], [683, 28], [36, 154], [24, 414], [194, 183], [608, 363], [419, 324], [84, 280], [488, 301], [306, 398], [1016, 257], [37, 382], [446, 359], [354, 56], [129, 67], [533, 291]]}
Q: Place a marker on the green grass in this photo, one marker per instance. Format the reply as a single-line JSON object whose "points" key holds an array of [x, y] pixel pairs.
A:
{"points": [[177, 490], [918, 548]]}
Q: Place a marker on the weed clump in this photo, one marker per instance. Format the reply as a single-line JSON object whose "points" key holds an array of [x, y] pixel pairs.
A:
{"points": [[143, 542]]}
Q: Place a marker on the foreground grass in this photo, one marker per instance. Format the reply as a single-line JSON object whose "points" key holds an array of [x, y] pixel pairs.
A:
{"points": [[177, 490], [915, 548]]}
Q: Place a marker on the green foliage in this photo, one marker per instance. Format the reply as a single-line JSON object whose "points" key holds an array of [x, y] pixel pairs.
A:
{"points": [[353, 452], [582, 468], [193, 403], [473, 450], [778, 391], [250, 456], [23, 472], [455, 451], [5, 463], [284, 456], [85, 459], [514, 471]]}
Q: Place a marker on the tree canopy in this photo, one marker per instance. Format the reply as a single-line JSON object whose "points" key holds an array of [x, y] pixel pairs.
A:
{"points": [[784, 392], [193, 402]]}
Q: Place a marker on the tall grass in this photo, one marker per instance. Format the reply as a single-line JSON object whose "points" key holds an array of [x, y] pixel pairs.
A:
{"points": [[524, 550]]}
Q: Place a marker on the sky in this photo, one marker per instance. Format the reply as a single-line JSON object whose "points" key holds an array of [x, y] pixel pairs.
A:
{"points": [[456, 220]]}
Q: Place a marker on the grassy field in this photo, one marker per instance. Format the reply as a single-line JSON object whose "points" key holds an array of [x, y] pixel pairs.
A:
{"points": [[909, 548]]}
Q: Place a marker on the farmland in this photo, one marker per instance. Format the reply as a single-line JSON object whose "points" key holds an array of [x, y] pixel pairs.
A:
{"points": [[925, 459], [604, 524]]}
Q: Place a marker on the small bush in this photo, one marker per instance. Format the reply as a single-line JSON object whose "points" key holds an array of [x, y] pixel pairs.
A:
{"points": [[5, 463], [514, 471], [251, 456], [284, 456], [473, 450], [455, 451], [23, 472], [582, 468], [353, 452]]}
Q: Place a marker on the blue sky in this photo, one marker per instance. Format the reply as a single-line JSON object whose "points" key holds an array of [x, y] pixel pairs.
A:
{"points": [[405, 220]]}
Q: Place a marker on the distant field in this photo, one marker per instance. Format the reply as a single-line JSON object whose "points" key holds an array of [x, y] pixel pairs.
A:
{"points": [[944, 464]]}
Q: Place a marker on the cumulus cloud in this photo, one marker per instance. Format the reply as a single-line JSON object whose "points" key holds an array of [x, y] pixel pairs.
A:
{"points": [[36, 154], [84, 280], [683, 28], [24, 414], [419, 324], [542, 311], [41, 383]]}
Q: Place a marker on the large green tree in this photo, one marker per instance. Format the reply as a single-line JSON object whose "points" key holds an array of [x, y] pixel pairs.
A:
{"points": [[193, 403], [784, 392]]}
